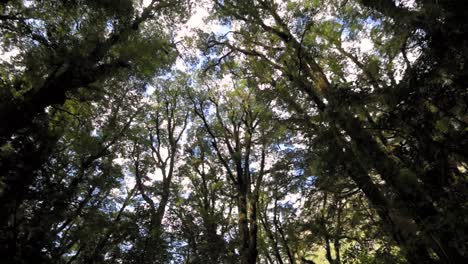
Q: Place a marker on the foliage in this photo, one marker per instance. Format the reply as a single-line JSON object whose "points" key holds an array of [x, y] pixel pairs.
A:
{"points": [[306, 131]]}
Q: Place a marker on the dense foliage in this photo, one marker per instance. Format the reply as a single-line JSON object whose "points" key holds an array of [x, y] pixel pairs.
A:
{"points": [[304, 131]]}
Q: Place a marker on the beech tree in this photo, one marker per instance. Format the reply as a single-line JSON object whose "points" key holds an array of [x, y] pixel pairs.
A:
{"points": [[285, 40], [237, 129], [266, 131]]}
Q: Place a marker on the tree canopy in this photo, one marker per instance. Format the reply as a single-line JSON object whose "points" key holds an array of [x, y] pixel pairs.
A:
{"points": [[266, 131]]}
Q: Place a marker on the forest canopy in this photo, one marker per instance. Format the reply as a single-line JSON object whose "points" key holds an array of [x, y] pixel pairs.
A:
{"points": [[247, 131]]}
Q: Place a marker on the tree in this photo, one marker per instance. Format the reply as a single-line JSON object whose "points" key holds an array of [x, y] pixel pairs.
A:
{"points": [[73, 182], [286, 43], [207, 211], [81, 43], [300, 131], [237, 125], [70, 53], [155, 149]]}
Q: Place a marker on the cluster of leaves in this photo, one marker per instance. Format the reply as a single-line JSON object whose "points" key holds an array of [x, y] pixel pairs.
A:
{"points": [[317, 132]]}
